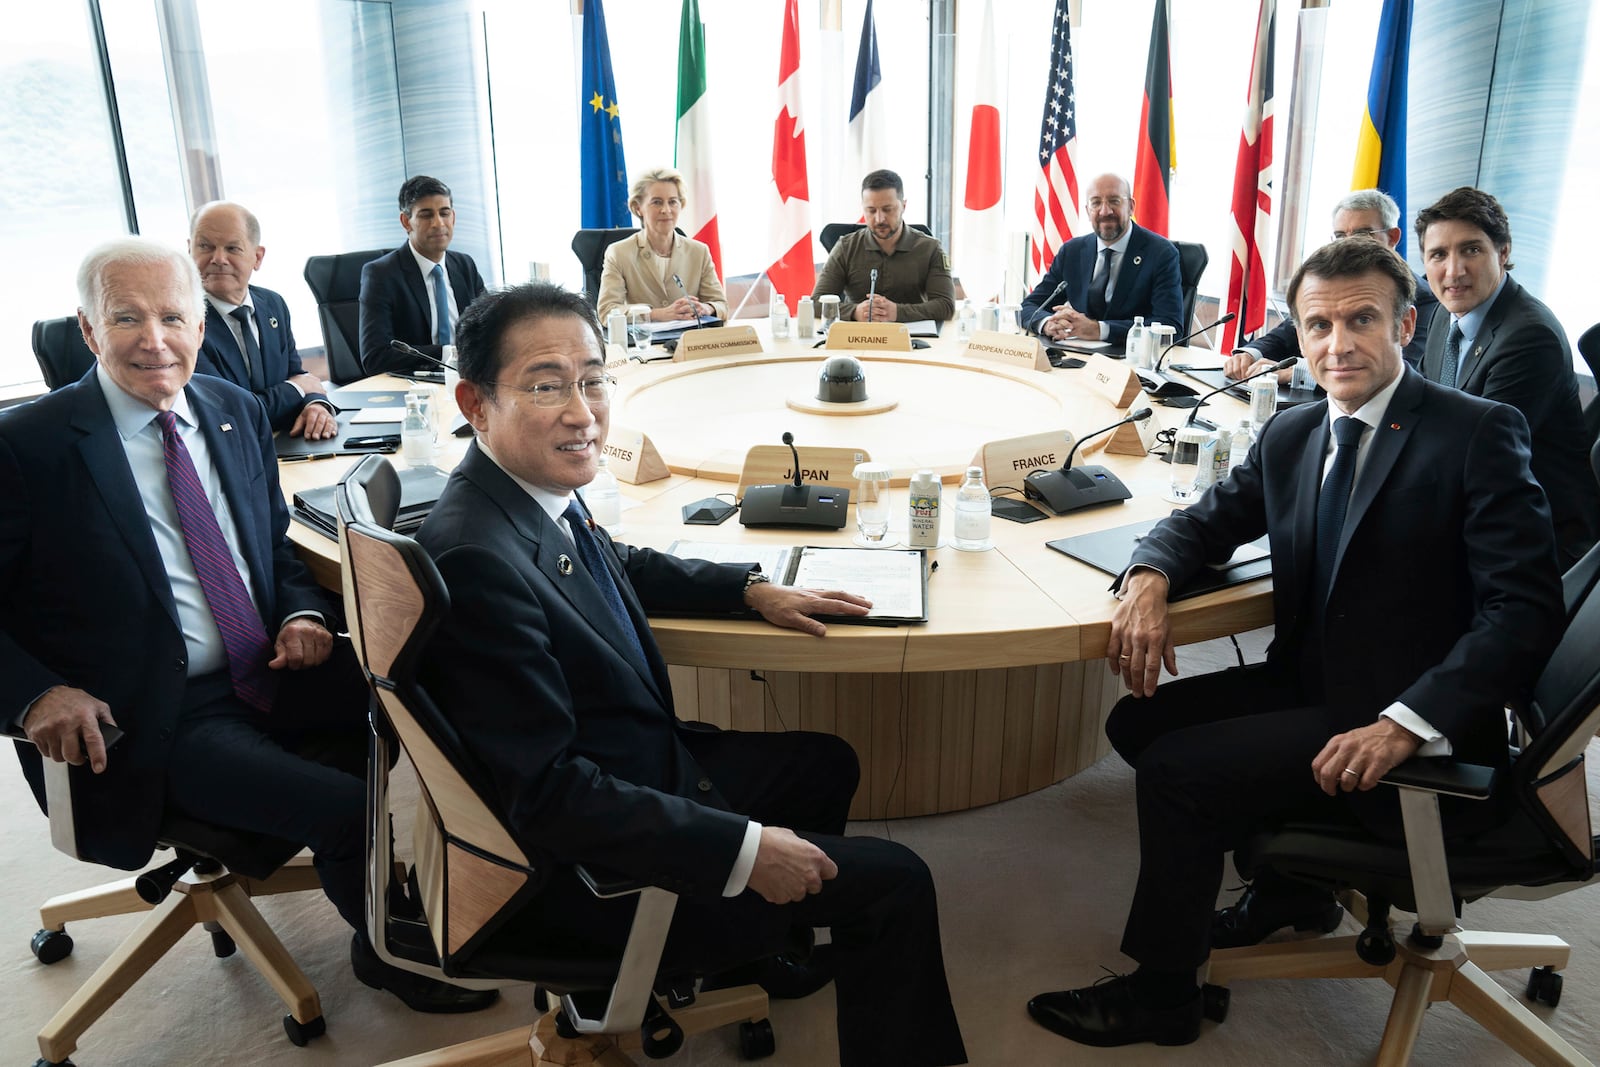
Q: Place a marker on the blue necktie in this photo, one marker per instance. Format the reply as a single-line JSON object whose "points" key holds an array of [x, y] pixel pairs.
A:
{"points": [[1334, 501], [1452, 356], [441, 304], [1097, 286], [588, 546], [243, 635], [252, 351]]}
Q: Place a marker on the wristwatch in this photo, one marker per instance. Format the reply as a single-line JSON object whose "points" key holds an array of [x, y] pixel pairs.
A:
{"points": [[755, 578]]}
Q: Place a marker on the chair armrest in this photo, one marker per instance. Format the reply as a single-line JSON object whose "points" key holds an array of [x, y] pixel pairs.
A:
{"points": [[607, 884], [1441, 774]]}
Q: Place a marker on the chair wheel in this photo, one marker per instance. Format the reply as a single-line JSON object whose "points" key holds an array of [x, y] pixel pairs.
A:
{"points": [[51, 946], [756, 1041], [660, 1035], [1376, 946], [1544, 983], [1214, 1001], [301, 1032], [223, 945]]}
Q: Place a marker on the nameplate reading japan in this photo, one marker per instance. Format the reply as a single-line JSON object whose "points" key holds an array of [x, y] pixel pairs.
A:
{"points": [[1016, 350], [1008, 462], [870, 336], [1112, 379], [717, 341]]}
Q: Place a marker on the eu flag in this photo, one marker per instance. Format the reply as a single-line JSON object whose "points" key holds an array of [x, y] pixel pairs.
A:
{"points": [[604, 179], [1381, 146]]}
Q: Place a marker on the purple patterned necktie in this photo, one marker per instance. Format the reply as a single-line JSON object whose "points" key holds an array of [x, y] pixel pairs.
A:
{"points": [[237, 619]]}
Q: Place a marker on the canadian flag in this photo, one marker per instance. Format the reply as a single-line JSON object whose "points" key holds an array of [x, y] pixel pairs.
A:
{"points": [[794, 272]]}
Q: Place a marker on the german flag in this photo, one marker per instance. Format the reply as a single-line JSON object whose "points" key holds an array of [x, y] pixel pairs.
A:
{"points": [[1157, 154]]}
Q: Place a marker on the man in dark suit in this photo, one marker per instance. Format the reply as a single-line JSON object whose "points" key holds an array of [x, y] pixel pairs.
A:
{"points": [[248, 340], [417, 292], [147, 582], [547, 667], [1100, 281], [1494, 339], [1415, 594], [1369, 213]]}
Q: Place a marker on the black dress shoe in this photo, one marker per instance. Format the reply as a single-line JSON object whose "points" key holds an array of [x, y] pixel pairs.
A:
{"points": [[1255, 915], [419, 992], [784, 977], [1111, 1012]]}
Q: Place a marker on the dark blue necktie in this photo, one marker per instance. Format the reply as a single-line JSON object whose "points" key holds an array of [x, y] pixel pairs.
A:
{"points": [[1452, 357], [1334, 500], [588, 546], [243, 635], [252, 351], [441, 304], [1097, 286]]}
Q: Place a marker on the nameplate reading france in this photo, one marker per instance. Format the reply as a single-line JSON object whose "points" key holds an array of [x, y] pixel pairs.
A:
{"points": [[1008, 462]]}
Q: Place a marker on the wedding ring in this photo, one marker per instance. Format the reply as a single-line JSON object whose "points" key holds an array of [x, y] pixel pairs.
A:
{"points": [[1352, 770]]}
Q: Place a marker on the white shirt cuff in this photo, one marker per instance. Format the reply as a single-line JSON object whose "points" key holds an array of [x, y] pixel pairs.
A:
{"points": [[739, 877], [1105, 331], [1434, 743]]}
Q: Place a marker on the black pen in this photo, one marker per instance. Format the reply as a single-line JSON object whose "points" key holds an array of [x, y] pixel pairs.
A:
{"points": [[307, 458]]}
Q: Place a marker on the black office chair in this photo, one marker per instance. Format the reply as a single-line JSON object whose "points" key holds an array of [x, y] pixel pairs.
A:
{"points": [[471, 874], [834, 230], [59, 347], [1192, 260], [211, 881], [590, 248], [336, 283], [1541, 840], [1589, 349]]}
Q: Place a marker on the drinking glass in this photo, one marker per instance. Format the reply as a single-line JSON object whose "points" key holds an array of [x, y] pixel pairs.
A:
{"points": [[873, 504], [639, 327], [828, 306]]}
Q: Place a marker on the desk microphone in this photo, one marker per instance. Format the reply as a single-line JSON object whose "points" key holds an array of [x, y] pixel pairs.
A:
{"points": [[795, 503], [400, 346], [1048, 305], [694, 305], [1282, 364], [871, 292], [1070, 489], [1159, 385]]}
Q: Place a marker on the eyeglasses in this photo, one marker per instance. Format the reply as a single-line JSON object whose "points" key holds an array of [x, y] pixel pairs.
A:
{"points": [[1339, 235], [1115, 203], [596, 391]]}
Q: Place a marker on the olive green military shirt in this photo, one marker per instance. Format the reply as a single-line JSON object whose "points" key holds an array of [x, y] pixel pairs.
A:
{"points": [[916, 276]]}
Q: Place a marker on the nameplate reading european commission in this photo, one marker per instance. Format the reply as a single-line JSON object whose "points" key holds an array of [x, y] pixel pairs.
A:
{"points": [[716, 341], [894, 579]]}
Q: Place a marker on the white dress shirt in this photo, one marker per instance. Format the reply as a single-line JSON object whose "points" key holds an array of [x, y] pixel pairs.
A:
{"points": [[426, 265]]}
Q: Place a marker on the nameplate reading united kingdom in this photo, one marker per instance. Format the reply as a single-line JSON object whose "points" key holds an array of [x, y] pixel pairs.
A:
{"points": [[870, 336], [717, 341], [1112, 379], [1015, 350]]}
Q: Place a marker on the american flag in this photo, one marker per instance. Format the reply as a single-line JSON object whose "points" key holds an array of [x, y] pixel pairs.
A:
{"points": [[1055, 194]]}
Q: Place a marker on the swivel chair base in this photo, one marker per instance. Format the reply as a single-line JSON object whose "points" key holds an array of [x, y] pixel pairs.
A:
{"points": [[543, 1043], [221, 901], [1454, 971]]}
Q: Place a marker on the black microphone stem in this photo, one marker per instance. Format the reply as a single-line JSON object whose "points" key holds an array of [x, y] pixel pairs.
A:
{"points": [[1137, 416], [1282, 364], [400, 346], [788, 439], [1229, 317]]}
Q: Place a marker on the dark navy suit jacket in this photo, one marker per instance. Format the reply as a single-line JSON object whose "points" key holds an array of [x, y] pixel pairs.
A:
{"points": [[1149, 283], [84, 599], [394, 307], [220, 357]]}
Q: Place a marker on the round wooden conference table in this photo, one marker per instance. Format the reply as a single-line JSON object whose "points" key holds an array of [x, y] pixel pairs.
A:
{"points": [[1004, 690]]}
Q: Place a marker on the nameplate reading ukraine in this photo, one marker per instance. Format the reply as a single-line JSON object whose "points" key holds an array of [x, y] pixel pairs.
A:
{"points": [[870, 336], [1014, 350], [716, 341]]}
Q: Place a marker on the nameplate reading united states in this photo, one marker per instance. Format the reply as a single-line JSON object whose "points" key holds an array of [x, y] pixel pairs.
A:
{"points": [[632, 457]]}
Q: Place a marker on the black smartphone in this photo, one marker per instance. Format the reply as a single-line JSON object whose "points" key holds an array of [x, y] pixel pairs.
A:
{"points": [[110, 734], [1004, 507], [379, 442]]}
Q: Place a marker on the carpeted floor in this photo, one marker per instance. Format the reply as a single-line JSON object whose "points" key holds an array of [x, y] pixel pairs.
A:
{"points": [[1032, 892]]}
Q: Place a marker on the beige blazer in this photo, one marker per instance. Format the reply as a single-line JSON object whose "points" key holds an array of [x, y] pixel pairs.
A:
{"points": [[632, 275]]}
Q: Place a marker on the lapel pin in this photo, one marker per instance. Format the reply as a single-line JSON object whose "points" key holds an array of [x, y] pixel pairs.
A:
{"points": [[273, 322], [227, 426], [1137, 260], [564, 564], [1394, 426]]}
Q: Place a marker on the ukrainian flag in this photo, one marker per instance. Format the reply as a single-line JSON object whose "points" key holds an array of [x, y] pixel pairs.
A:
{"points": [[1381, 146]]}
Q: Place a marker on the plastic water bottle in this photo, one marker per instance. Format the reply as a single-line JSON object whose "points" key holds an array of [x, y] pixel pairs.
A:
{"points": [[604, 498], [924, 521], [1138, 355], [805, 322], [617, 328], [966, 321], [973, 510], [416, 433], [780, 318], [1244, 436]]}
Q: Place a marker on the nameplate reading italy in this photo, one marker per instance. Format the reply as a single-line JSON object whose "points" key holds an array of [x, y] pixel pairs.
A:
{"points": [[1112, 379], [1016, 350], [870, 336], [717, 341]]}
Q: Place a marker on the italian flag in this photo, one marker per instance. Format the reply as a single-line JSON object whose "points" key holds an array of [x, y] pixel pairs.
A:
{"points": [[693, 147]]}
